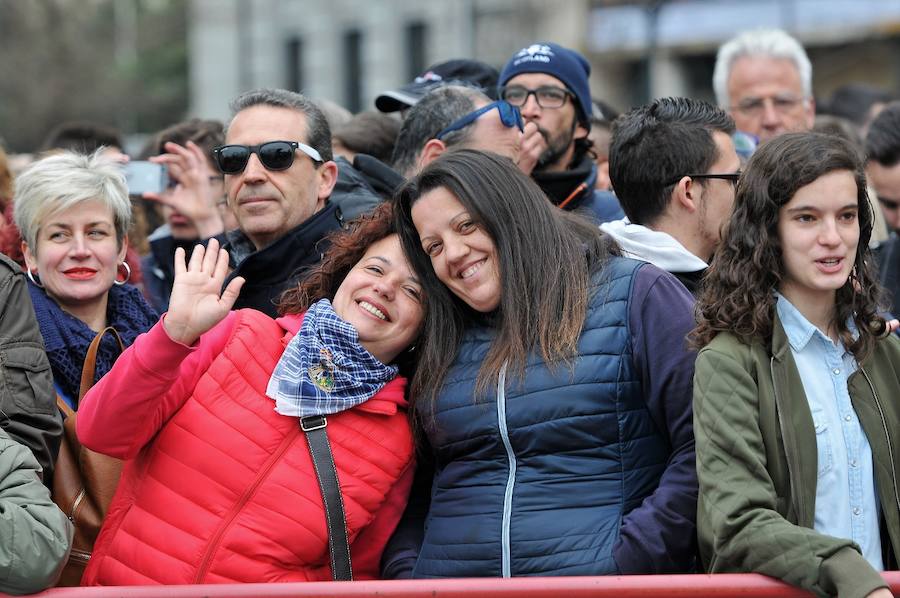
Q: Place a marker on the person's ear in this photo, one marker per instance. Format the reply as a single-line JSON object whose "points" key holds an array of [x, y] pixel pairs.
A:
{"points": [[124, 248], [327, 173], [30, 258], [580, 131], [687, 193], [433, 149]]}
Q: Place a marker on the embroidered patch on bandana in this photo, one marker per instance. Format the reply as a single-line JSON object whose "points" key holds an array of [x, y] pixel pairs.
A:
{"points": [[322, 374]]}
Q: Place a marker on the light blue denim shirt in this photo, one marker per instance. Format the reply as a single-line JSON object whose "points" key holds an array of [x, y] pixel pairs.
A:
{"points": [[846, 500]]}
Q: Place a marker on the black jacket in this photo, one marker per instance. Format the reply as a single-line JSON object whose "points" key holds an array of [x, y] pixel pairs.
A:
{"points": [[274, 268], [352, 192], [158, 266], [888, 257], [573, 189]]}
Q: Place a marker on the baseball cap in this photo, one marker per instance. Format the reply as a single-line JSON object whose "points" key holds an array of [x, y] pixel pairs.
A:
{"points": [[460, 69]]}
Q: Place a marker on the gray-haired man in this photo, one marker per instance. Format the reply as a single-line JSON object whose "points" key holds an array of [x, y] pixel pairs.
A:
{"points": [[279, 174]]}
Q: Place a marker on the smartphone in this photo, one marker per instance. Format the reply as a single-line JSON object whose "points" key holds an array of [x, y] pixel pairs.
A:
{"points": [[146, 177]]}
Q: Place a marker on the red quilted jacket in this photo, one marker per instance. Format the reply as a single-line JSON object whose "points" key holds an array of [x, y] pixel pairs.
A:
{"points": [[218, 487]]}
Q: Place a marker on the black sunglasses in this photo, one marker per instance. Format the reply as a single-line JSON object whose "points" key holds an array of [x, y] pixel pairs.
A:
{"points": [[728, 176], [274, 155]]}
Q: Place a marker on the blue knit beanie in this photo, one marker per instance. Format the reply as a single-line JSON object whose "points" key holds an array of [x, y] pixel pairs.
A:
{"points": [[567, 65]]}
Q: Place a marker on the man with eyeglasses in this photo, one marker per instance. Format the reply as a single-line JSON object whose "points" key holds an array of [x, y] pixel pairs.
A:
{"points": [[549, 85], [674, 168], [279, 173], [763, 78], [883, 172], [451, 117]]}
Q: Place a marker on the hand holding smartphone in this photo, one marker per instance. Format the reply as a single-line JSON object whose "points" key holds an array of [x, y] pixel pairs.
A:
{"points": [[146, 177]]}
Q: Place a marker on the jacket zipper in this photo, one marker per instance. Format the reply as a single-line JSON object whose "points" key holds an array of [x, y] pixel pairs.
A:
{"points": [[76, 503], [510, 480], [886, 435], [213, 545], [795, 499]]}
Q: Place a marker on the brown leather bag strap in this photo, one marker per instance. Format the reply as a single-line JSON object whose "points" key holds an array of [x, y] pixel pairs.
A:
{"points": [[90, 360], [64, 407]]}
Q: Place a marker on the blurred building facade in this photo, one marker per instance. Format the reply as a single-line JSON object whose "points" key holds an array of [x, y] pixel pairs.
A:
{"points": [[351, 50]]}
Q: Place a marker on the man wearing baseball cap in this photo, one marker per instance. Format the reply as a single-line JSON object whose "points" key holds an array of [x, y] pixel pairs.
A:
{"points": [[549, 84], [473, 72]]}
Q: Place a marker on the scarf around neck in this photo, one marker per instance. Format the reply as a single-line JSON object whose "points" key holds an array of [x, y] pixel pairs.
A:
{"points": [[66, 338], [324, 369]]}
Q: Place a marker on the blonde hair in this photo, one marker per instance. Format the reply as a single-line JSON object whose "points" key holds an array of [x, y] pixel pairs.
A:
{"points": [[66, 179]]}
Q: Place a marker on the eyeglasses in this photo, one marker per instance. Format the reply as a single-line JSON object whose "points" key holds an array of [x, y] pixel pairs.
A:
{"points": [[274, 155], [891, 204], [546, 97], [754, 107], [727, 176], [509, 116]]}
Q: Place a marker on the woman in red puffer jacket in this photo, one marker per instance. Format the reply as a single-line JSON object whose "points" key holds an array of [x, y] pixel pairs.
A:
{"points": [[219, 485]]}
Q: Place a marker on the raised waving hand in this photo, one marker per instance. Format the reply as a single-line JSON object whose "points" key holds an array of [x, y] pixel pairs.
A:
{"points": [[196, 304]]}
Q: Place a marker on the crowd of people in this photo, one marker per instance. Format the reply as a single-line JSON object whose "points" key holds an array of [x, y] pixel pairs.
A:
{"points": [[492, 329]]}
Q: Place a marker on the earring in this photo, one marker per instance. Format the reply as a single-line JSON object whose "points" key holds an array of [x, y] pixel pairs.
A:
{"points": [[35, 281], [127, 274]]}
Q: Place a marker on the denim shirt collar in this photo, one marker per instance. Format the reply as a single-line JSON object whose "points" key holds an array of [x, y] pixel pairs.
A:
{"points": [[798, 329]]}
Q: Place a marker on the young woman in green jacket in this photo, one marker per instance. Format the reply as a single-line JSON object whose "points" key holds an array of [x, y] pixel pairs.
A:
{"points": [[796, 410]]}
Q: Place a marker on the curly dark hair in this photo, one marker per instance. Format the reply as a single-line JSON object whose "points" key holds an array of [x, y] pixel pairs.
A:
{"points": [[737, 293], [346, 248]]}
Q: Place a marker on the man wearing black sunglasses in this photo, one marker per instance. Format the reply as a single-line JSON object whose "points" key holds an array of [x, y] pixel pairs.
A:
{"points": [[674, 168], [549, 85], [883, 171], [279, 173]]}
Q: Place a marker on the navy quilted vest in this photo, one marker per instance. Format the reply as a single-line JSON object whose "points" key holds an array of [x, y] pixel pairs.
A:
{"points": [[535, 477]]}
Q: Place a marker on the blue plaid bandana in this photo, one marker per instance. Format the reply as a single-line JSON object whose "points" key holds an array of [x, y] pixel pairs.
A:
{"points": [[324, 369]]}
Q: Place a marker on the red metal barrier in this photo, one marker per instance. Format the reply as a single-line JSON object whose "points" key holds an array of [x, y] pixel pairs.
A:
{"points": [[637, 586]]}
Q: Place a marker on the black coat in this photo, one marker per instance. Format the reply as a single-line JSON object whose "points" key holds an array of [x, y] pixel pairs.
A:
{"points": [[276, 267]]}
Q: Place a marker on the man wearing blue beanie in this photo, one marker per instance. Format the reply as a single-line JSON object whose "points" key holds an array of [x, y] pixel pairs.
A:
{"points": [[549, 84]]}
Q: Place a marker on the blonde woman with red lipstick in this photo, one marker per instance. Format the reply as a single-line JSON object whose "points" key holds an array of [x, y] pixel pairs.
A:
{"points": [[74, 213], [796, 416]]}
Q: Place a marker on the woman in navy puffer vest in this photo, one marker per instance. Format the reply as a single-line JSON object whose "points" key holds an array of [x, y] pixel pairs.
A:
{"points": [[554, 389]]}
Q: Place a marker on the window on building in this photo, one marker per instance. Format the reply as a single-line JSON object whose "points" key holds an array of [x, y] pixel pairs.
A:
{"points": [[415, 50], [294, 64], [353, 70]]}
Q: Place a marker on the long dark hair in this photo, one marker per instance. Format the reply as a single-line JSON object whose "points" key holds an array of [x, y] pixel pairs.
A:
{"points": [[546, 257], [737, 293]]}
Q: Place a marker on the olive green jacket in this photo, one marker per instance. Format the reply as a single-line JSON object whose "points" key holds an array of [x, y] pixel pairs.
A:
{"points": [[28, 410], [757, 464], [34, 534]]}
